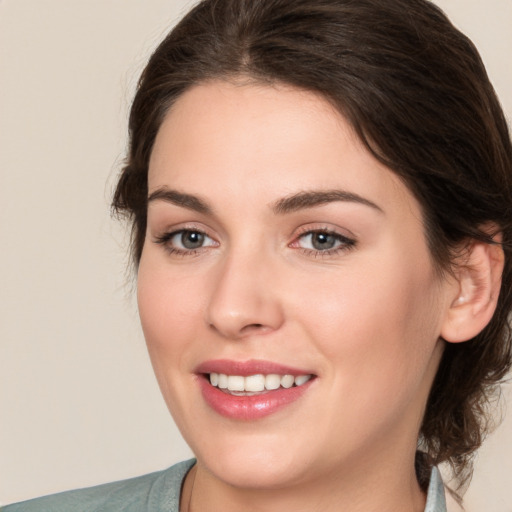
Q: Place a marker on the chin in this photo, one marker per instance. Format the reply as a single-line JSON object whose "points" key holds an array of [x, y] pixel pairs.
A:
{"points": [[254, 462], [253, 474]]}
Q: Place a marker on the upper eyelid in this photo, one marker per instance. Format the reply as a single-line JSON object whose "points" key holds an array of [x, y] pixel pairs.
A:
{"points": [[160, 224], [324, 228], [165, 238], [347, 240], [340, 236], [183, 226], [345, 243], [302, 231], [173, 232], [327, 232], [298, 232]]}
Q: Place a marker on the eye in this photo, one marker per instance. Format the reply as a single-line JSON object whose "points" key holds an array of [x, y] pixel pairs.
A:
{"points": [[188, 239], [322, 241], [185, 241]]}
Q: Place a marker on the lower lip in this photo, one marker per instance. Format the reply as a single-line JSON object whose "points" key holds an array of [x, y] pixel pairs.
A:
{"points": [[250, 407]]}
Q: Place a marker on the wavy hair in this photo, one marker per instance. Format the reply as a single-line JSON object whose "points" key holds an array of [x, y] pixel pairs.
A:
{"points": [[416, 92]]}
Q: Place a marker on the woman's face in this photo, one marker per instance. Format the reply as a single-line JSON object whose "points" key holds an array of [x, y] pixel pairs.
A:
{"points": [[280, 252]]}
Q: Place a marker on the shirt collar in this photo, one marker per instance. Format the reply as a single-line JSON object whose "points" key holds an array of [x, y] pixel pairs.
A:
{"points": [[435, 497]]}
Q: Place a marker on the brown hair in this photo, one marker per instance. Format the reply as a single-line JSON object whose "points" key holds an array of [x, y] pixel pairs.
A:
{"points": [[417, 94]]}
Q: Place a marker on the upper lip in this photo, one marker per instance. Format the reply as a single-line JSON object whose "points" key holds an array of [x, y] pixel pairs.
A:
{"points": [[250, 367]]}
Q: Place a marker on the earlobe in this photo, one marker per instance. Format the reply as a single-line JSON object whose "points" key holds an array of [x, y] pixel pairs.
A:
{"points": [[479, 281]]}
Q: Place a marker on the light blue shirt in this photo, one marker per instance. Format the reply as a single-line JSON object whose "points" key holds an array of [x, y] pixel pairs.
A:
{"points": [[156, 492], [435, 498]]}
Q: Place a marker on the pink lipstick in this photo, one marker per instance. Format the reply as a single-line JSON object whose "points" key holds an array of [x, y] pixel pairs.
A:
{"points": [[250, 390]]}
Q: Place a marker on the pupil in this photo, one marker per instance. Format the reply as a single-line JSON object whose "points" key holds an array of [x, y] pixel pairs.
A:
{"points": [[322, 241], [192, 239]]}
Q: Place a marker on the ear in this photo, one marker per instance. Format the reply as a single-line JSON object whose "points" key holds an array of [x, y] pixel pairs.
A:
{"points": [[478, 276]]}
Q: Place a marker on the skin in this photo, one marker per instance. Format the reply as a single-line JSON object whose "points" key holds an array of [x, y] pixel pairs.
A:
{"points": [[364, 319]]}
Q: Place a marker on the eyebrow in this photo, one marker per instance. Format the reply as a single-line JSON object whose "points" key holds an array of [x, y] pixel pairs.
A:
{"points": [[181, 199], [296, 202], [310, 199]]}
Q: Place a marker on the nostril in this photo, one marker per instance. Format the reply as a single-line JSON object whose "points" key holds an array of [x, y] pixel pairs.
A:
{"points": [[253, 327]]}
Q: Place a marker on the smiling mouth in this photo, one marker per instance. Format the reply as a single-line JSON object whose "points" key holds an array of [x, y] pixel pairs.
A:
{"points": [[257, 384]]}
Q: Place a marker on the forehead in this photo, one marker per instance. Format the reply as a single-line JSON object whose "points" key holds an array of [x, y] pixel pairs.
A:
{"points": [[245, 117], [263, 142]]}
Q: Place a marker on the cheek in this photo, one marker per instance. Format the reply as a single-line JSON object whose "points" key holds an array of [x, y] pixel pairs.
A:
{"points": [[169, 312], [379, 340], [376, 322]]}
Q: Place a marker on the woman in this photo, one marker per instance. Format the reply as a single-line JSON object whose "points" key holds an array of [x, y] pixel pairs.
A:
{"points": [[320, 195]]}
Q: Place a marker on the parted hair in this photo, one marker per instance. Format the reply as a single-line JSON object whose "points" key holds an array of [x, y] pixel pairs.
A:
{"points": [[416, 92]]}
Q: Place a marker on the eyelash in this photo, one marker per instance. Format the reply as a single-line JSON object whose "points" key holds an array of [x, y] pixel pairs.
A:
{"points": [[166, 238], [345, 243]]}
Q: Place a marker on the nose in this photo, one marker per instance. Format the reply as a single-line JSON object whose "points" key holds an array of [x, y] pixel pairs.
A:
{"points": [[244, 299]]}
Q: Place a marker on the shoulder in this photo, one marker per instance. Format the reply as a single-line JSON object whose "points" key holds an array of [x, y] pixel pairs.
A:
{"points": [[155, 492]]}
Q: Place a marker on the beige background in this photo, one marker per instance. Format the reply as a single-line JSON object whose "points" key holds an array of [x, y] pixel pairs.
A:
{"points": [[78, 401]]}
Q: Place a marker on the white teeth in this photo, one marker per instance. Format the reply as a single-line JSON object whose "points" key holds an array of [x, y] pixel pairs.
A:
{"points": [[223, 381], [256, 383], [301, 379], [272, 381], [287, 381], [236, 383]]}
